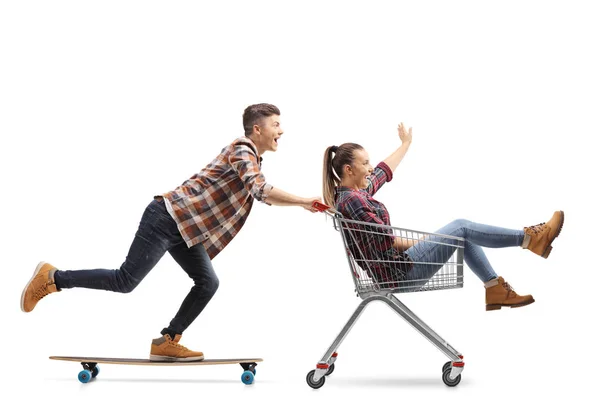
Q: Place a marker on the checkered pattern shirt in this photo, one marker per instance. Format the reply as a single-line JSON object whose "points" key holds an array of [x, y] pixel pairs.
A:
{"points": [[359, 205], [212, 206]]}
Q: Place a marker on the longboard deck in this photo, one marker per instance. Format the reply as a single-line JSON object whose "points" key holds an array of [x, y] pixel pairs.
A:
{"points": [[91, 367], [145, 361]]}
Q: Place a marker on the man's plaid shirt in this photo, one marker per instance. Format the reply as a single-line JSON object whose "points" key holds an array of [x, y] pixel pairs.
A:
{"points": [[212, 206]]}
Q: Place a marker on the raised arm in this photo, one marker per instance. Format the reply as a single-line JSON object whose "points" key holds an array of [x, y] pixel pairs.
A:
{"points": [[406, 137]]}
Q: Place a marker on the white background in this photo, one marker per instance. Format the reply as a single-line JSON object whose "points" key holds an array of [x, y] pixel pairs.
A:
{"points": [[105, 104]]}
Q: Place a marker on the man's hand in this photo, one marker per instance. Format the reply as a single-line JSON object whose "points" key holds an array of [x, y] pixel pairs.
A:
{"points": [[405, 136], [308, 204]]}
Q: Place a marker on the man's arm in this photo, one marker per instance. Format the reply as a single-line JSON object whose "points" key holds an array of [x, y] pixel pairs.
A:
{"points": [[403, 244], [245, 163], [278, 197]]}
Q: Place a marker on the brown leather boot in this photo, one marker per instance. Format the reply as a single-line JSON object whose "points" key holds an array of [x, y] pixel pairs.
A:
{"points": [[167, 349], [40, 285], [501, 294], [538, 238]]}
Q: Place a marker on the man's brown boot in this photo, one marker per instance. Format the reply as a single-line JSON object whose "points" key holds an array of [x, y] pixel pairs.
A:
{"points": [[167, 349], [499, 293], [40, 284], [538, 238]]}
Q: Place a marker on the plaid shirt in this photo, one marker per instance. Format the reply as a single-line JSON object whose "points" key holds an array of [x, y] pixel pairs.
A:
{"points": [[212, 206], [359, 205]]}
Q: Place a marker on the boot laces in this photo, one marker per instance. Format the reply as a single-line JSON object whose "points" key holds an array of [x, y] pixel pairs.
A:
{"points": [[177, 345], [537, 228], [509, 289], [41, 292]]}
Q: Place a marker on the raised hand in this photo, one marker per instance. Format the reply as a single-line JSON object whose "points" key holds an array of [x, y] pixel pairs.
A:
{"points": [[405, 135]]}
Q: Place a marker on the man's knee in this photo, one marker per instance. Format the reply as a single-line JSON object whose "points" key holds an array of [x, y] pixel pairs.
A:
{"points": [[213, 285], [125, 283]]}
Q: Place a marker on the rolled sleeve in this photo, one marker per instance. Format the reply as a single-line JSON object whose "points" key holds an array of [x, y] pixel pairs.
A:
{"points": [[381, 174], [245, 162], [388, 171]]}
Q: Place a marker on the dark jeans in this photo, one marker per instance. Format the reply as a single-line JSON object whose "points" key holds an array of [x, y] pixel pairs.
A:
{"points": [[156, 235]]}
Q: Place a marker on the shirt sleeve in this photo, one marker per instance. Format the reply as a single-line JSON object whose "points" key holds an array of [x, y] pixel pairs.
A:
{"points": [[381, 174], [245, 162]]}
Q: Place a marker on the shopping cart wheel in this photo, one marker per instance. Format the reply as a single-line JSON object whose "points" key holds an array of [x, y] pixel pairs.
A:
{"points": [[330, 370], [313, 384], [447, 365], [447, 380]]}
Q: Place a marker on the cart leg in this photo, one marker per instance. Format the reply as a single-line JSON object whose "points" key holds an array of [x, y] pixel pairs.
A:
{"points": [[331, 354], [344, 332], [421, 326]]}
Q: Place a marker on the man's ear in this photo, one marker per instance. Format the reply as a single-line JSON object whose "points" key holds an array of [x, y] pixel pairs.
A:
{"points": [[256, 129]]}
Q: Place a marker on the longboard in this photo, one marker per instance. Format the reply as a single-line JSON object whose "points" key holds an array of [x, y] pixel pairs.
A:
{"points": [[91, 368]]}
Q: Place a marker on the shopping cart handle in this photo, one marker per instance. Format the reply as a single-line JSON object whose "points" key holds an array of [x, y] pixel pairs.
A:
{"points": [[320, 206]]}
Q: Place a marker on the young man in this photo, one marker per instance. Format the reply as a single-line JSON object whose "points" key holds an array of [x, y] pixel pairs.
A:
{"points": [[193, 223]]}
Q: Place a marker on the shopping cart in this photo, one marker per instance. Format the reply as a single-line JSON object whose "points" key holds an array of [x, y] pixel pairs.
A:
{"points": [[379, 269]]}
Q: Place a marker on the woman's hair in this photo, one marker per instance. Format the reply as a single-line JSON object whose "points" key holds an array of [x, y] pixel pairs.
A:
{"points": [[334, 160]]}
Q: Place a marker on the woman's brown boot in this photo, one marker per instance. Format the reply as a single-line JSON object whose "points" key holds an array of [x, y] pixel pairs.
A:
{"points": [[538, 238], [499, 293]]}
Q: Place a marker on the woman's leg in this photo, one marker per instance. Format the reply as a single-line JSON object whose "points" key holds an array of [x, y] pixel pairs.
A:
{"points": [[434, 251], [430, 254]]}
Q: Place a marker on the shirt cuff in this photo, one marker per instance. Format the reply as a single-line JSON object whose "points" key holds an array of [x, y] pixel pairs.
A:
{"points": [[388, 171], [264, 193]]}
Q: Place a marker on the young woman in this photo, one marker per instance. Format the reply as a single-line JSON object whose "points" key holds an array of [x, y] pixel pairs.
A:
{"points": [[349, 184]]}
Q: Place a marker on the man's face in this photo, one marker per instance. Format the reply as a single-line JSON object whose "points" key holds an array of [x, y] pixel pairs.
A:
{"points": [[270, 132]]}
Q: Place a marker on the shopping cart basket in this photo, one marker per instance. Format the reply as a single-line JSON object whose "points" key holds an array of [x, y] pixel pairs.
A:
{"points": [[381, 265]]}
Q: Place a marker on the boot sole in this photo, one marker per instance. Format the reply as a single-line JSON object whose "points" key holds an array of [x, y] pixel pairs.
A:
{"points": [[37, 269], [175, 359], [492, 307], [548, 249]]}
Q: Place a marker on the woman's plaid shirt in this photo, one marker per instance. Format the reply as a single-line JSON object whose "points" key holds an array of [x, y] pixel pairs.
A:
{"points": [[212, 206], [359, 205]]}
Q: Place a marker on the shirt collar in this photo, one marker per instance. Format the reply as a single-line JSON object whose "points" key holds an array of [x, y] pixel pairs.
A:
{"points": [[345, 189], [253, 145]]}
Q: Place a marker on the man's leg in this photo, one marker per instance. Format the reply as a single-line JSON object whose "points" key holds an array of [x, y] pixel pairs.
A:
{"points": [[196, 263], [149, 245]]}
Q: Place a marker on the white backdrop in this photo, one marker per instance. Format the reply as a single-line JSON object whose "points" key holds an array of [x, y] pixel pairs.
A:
{"points": [[104, 104]]}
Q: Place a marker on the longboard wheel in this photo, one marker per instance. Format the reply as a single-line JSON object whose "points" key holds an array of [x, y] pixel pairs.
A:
{"points": [[84, 376], [95, 371], [247, 377]]}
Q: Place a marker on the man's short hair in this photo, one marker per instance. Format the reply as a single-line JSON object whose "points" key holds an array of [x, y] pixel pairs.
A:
{"points": [[254, 114]]}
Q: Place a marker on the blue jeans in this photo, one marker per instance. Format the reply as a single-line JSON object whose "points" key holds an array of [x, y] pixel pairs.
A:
{"points": [[475, 235], [157, 234]]}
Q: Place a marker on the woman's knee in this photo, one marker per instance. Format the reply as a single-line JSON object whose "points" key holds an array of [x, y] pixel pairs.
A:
{"points": [[461, 222]]}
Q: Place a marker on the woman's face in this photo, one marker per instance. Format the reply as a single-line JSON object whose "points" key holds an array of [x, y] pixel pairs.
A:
{"points": [[360, 169]]}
